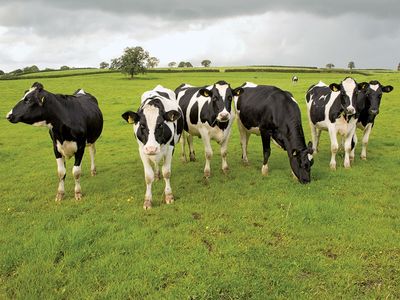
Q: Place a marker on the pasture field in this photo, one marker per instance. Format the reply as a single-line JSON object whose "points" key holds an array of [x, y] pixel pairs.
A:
{"points": [[241, 236]]}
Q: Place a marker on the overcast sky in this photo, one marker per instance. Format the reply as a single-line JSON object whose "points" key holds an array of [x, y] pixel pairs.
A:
{"points": [[79, 33]]}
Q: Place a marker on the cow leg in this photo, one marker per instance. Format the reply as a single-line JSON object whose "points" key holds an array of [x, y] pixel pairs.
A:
{"points": [[157, 175], [266, 142], [92, 152], [334, 147], [191, 148], [353, 146], [61, 171], [224, 153], [244, 140], [315, 134], [208, 154], [183, 153], [367, 132], [348, 139], [76, 171], [149, 178], [166, 170]]}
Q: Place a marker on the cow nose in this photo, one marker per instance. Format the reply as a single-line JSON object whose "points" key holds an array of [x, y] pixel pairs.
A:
{"points": [[224, 116], [9, 115], [150, 150], [351, 110], [374, 111]]}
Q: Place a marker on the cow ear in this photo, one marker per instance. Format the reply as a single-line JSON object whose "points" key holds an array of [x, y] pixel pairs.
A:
{"points": [[131, 117], [238, 91], [294, 153], [363, 86], [172, 115], [387, 89], [334, 87], [205, 93]]}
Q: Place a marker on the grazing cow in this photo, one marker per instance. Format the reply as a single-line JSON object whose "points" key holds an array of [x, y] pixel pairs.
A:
{"points": [[207, 114], [74, 122], [368, 102], [157, 126], [333, 108], [272, 113], [295, 79]]}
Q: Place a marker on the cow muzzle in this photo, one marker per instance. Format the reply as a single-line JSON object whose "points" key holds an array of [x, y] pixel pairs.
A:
{"points": [[10, 117], [223, 116], [374, 112], [351, 110], [151, 150]]}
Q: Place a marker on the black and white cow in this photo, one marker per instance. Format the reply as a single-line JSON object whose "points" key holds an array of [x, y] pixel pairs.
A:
{"points": [[333, 108], [74, 122], [295, 79], [368, 102], [207, 114], [273, 113], [157, 125]]}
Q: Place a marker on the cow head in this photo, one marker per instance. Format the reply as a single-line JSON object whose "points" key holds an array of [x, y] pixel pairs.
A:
{"points": [[152, 125], [29, 109], [301, 162], [348, 89], [221, 95], [374, 95]]}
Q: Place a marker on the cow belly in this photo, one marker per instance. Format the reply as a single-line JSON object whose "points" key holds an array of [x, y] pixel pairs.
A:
{"points": [[254, 130], [67, 148]]}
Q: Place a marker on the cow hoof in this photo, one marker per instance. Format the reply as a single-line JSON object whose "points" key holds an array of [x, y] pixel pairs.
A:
{"points": [[78, 196], [183, 158], [333, 167], [225, 170], [192, 157], [264, 170], [207, 174], [169, 198], [352, 158], [93, 172], [59, 196], [363, 157], [246, 163], [147, 204], [347, 166]]}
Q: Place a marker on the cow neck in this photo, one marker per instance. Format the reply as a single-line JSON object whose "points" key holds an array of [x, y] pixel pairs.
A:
{"points": [[294, 137], [56, 112]]}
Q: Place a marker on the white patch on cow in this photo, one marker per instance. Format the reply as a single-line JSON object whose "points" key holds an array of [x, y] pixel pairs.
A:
{"points": [[67, 148], [222, 90], [254, 130], [349, 85], [294, 100], [28, 92], [310, 156], [374, 87], [249, 85], [9, 114], [43, 124], [320, 83], [81, 91], [151, 114]]}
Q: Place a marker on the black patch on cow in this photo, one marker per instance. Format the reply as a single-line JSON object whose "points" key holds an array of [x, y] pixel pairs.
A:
{"points": [[194, 113], [321, 95], [163, 94], [185, 100]]}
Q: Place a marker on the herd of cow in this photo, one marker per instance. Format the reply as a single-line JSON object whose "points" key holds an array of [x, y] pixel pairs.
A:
{"points": [[75, 121]]}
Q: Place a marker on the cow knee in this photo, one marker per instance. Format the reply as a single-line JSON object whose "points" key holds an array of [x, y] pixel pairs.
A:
{"points": [[76, 171]]}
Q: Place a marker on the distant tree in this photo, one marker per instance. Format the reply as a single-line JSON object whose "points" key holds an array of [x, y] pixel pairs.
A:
{"points": [[49, 69], [351, 65], [330, 66], [64, 68], [1, 72], [153, 62], [398, 67], [104, 65], [31, 69], [206, 63], [133, 61], [16, 72], [182, 64], [115, 64], [188, 65], [172, 64]]}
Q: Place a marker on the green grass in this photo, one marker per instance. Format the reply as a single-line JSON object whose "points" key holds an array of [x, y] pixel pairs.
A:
{"points": [[242, 236]]}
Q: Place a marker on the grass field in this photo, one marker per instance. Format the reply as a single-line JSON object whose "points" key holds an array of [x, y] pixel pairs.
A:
{"points": [[242, 236]]}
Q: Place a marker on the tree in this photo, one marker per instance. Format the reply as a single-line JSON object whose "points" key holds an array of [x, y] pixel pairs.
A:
{"points": [[206, 63], [16, 72], [188, 65], [182, 64], [64, 68], [115, 64], [153, 62], [330, 66], [133, 61], [398, 67], [31, 69], [104, 65], [173, 64], [1, 72], [351, 65]]}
